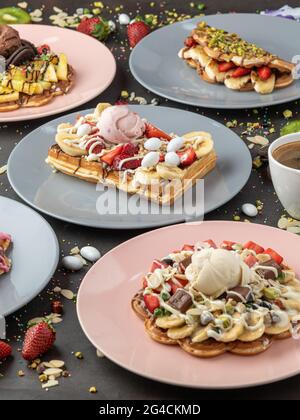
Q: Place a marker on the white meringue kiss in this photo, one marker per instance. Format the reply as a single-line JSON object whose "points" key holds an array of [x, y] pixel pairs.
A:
{"points": [[151, 159], [175, 144], [172, 159], [152, 144]]}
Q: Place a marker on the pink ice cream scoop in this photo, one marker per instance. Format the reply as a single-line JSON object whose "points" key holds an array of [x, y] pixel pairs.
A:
{"points": [[118, 124]]}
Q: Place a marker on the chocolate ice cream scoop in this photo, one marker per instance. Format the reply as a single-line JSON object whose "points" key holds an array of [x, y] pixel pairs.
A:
{"points": [[9, 40], [24, 53]]}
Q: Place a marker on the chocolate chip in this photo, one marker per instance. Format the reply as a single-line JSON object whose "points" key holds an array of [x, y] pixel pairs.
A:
{"points": [[181, 301], [168, 261]]}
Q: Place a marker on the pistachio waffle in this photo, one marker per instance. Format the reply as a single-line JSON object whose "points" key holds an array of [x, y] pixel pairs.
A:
{"points": [[222, 57], [210, 300], [151, 163]]}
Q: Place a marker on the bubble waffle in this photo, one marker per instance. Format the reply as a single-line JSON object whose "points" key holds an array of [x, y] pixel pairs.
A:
{"points": [[210, 300]]}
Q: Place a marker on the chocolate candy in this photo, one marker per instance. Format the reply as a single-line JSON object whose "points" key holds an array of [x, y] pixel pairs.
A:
{"points": [[25, 52], [269, 274], [245, 292], [181, 301]]}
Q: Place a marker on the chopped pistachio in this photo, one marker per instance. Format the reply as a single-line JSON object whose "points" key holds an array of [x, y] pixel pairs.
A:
{"points": [[287, 113]]}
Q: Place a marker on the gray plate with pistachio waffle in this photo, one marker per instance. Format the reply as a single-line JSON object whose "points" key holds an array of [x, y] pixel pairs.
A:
{"points": [[154, 62]]}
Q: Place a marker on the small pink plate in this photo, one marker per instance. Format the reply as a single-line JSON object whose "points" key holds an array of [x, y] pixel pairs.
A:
{"points": [[94, 65], [107, 319]]}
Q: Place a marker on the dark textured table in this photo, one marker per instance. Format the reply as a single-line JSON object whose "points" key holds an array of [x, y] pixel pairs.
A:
{"points": [[111, 381]]}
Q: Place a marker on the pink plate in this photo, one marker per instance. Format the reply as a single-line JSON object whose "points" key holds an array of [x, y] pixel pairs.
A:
{"points": [[93, 63], [107, 319]]}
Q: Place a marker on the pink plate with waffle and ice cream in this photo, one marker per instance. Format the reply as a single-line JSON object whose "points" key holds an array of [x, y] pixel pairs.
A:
{"points": [[105, 313], [93, 64]]}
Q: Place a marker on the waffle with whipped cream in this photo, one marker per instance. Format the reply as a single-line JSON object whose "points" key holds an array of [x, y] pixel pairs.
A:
{"points": [[211, 299], [222, 57], [116, 147]]}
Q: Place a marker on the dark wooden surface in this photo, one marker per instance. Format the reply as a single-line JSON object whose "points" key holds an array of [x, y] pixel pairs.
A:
{"points": [[112, 381]]}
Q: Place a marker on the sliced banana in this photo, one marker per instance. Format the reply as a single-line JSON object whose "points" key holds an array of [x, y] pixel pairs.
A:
{"points": [[212, 70], [171, 321], [276, 329], [263, 86], [100, 108], [201, 141], [232, 334], [146, 177], [237, 83], [200, 335], [291, 304], [70, 149], [248, 335], [197, 54], [181, 332], [168, 172]]}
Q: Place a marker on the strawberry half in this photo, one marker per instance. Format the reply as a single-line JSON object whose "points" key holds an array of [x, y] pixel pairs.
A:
{"points": [[151, 302], [130, 164], [97, 149], [240, 72], [226, 66], [264, 72], [190, 42], [5, 350], [187, 157], [152, 131], [111, 155], [95, 26], [38, 340], [43, 49], [137, 31]]}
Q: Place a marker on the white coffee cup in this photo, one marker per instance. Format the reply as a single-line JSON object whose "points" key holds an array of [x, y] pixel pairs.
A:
{"points": [[286, 180]]}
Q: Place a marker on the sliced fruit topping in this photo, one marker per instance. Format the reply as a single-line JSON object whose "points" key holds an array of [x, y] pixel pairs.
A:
{"points": [[187, 247], [264, 72], [43, 49], [157, 264], [254, 247], [177, 284], [96, 149], [187, 157], [274, 255], [95, 26], [129, 149], [111, 155], [10, 15], [152, 131], [119, 163], [227, 245], [190, 42], [211, 243], [250, 260], [240, 71], [226, 66], [151, 302]]}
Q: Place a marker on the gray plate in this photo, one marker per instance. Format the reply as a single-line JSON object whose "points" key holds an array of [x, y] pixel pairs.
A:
{"points": [[34, 255], [75, 201], [155, 64]]}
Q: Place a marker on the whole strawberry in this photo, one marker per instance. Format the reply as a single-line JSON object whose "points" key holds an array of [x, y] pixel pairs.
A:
{"points": [[95, 26], [5, 350], [39, 338], [136, 31]]}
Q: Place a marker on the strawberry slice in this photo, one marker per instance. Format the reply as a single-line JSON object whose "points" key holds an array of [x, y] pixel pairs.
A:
{"points": [[129, 164], [129, 149], [157, 264], [254, 247], [161, 157], [111, 155], [274, 255], [250, 260], [151, 302], [187, 157], [240, 72], [227, 245], [175, 286], [187, 247], [211, 243], [97, 149], [190, 42], [152, 131], [264, 72], [225, 66]]}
